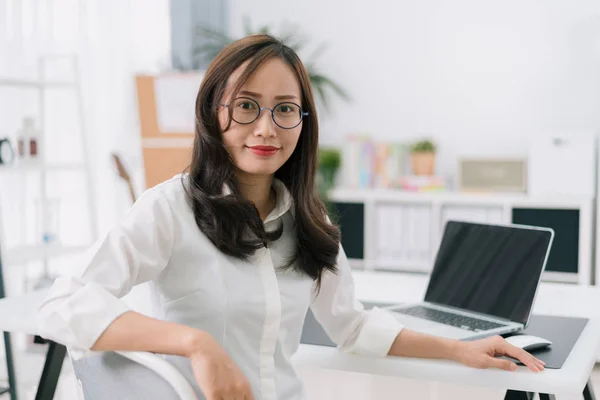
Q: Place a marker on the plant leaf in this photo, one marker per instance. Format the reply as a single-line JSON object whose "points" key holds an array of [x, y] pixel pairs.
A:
{"points": [[213, 34], [324, 82], [293, 38], [264, 30], [316, 53], [247, 26], [322, 96]]}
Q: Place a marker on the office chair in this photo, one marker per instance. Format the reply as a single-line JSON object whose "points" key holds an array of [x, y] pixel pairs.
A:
{"points": [[131, 376]]}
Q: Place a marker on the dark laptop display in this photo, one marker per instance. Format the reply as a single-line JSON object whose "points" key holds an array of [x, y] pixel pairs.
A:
{"points": [[489, 269]]}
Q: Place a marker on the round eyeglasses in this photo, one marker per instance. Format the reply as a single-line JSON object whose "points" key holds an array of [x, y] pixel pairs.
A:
{"points": [[286, 115]]}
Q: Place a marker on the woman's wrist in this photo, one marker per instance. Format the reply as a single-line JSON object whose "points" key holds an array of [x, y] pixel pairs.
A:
{"points": [[195, 341], [455, 350]]}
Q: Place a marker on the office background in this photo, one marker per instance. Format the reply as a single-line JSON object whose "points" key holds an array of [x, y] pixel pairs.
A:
{"points": [[507, 93]]}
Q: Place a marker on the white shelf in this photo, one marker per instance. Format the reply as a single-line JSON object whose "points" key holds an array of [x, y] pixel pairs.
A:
{"points": [[402, 230], [25, 254], [27, 166], [391, 195], [33, 83]]}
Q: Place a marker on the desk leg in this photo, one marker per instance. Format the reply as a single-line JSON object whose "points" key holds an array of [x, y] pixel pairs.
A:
{"points": [[518, 395], [51, 372], [10, 367], [588, 392]]}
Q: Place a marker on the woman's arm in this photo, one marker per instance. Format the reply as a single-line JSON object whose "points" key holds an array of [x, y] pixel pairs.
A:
{"points": [[414, 344], [217, 375], [347, 323], [136, 332], [478, 354]]}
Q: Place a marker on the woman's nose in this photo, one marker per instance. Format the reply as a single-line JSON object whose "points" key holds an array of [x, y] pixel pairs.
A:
{"points": [[265, 126]]}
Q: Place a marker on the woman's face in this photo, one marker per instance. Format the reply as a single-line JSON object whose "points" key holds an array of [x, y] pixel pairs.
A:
{"points": [[261, 147]]}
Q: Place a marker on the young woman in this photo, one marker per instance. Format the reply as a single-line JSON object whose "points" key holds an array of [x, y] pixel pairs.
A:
{"points": [[236, 251]]}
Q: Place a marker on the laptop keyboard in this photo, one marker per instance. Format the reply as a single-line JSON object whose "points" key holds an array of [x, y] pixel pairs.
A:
{"points": [[447, 318]]}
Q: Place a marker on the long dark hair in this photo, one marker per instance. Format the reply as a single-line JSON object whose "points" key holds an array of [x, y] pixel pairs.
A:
{"points": [[227, 219]]}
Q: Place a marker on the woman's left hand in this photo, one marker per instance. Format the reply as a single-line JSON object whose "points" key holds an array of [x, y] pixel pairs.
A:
{"points": [[482, 354]]}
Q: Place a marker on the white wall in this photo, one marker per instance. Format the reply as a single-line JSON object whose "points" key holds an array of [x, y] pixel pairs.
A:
{"points": [[479, 76]]}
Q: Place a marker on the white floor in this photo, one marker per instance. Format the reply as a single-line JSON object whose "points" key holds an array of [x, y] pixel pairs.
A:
{"points": [[320, 385]]}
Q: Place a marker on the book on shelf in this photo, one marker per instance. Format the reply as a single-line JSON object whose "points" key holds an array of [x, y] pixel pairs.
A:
{"points": [[367, 163]]}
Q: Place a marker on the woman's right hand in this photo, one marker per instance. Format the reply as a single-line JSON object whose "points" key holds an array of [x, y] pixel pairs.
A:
{"points": [[216, 373]]}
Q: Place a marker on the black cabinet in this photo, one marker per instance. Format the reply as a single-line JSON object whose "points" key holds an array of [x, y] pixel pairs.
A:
{"points": [[564, 254], [351, 219]]}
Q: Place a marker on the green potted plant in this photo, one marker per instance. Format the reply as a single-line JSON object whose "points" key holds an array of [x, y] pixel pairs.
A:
{"points": [[329, 162], [423, 158]]}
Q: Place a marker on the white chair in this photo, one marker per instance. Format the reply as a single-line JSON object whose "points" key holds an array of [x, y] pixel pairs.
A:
{"points": [[131, 376]]}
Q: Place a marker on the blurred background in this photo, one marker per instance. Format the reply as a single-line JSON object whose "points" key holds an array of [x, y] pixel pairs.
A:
{"points": [[428, 110]]}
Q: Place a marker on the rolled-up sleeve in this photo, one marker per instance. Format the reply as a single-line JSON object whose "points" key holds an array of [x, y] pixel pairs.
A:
{"points": [[79, 308], [348, 324]]}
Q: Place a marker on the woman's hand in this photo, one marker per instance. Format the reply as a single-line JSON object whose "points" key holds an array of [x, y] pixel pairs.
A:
{"points": [[216, 373], [482, 354]]}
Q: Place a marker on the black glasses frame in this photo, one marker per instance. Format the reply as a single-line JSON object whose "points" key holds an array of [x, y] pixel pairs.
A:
{"points": [[260, 110]]}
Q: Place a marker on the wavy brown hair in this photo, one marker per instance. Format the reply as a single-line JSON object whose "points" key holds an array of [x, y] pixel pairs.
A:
{"points": [[227, 219]]}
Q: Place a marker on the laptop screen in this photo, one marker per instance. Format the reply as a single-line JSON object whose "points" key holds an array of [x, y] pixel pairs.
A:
{"points": [[489, 269]]}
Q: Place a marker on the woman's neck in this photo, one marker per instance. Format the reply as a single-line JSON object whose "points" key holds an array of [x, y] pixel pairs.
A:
{"points": [[258, 189]]}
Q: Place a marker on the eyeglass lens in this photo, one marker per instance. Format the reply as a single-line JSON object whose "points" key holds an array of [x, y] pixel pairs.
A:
{"points": [[246, 111]]}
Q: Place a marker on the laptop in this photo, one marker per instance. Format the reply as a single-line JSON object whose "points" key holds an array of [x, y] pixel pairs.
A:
{"points": [[484, 281]]}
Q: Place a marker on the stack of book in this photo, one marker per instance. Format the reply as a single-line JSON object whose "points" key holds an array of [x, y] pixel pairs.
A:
{"points": [[367, 163]]}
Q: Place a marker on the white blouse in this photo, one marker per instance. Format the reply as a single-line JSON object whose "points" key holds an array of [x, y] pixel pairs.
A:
{"points": [[254, 309]]}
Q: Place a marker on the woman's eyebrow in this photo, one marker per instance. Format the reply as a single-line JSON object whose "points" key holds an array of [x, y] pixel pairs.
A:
{"points": [[258, 95]]}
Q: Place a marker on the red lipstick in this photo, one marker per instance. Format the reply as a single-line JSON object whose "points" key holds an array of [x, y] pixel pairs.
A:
{"points": [[264, 151]]}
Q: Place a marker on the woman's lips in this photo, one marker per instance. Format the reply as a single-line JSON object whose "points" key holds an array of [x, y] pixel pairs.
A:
{"points": [[263, 151]]}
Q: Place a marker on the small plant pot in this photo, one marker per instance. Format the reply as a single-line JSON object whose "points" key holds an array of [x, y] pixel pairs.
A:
{"points": [[423, 164]]}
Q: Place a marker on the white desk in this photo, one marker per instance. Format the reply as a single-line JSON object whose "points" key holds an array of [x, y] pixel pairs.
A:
{"points": [[17, 314], [570, 380]]}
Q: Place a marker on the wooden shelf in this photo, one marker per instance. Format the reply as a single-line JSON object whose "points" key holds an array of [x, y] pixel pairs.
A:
{"points": [[25, 254]]}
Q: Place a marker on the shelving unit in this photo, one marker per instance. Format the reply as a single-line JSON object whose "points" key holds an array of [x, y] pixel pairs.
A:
{"points": [[33, 83], [39, 166], [33, 167], [25, 253], [401, 230]]}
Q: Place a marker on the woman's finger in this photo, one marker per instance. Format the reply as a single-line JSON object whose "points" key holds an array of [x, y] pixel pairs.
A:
{"points": [[523, 356], [500, 363]]}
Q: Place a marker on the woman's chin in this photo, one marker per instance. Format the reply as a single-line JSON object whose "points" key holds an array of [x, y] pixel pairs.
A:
{"points": [[259, 170], [259, 167]]}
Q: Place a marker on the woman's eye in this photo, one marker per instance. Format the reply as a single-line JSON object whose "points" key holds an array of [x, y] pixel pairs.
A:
{"points": [[246, 105], [284, 109]]}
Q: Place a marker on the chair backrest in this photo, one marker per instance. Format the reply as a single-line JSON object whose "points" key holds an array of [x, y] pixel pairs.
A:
{"points": [[131, 376]]}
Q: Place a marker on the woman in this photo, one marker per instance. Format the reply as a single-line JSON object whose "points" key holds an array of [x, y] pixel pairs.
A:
{"points": [[238, 249]]}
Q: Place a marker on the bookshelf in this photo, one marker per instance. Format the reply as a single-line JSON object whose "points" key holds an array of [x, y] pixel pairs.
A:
{"points": [[392, 230]]}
